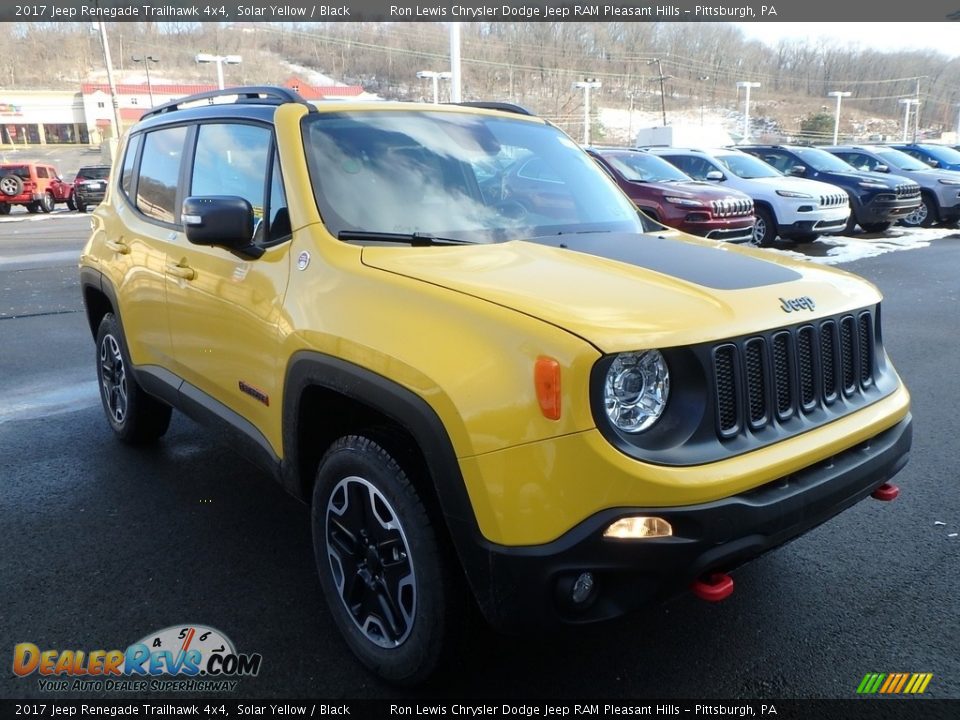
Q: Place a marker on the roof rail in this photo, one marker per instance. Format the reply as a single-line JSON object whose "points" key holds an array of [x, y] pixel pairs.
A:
{"points": [[502, 106], [254, 94]]}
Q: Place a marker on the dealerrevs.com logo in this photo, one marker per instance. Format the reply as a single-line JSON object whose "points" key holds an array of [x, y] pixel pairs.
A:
{"points": [[187, 658]]}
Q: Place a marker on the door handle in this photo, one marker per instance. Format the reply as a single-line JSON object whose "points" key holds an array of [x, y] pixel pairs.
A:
{"points": [[118, 247], [182, 271]]}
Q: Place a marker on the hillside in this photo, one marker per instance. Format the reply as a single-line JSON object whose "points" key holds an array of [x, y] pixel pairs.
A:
{"points": [[534, 64]]}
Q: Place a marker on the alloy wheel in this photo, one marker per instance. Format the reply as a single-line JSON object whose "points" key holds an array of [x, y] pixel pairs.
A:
{"points": [[371, 562], [113, 379]]}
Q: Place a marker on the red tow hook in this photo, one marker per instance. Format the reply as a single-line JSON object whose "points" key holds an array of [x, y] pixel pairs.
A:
{"points": [[713, 587], [886, 492]]}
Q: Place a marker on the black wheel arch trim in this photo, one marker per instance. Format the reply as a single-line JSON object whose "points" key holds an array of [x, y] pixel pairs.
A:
{"points": [[308, 369]]}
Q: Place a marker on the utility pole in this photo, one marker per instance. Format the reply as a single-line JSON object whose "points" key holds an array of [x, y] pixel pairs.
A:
{"points": [[662, 77], [115, 125]]}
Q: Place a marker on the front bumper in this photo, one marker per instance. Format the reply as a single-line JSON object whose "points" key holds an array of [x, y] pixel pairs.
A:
{"points": [[879, 211], [531, 585]]}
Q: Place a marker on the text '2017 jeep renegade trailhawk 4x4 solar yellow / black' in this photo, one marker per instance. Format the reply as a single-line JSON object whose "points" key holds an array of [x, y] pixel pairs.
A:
{"points": [[522, 395]]}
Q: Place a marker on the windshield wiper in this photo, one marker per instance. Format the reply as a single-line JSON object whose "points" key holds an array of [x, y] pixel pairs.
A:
{"points": [[416, 239]]}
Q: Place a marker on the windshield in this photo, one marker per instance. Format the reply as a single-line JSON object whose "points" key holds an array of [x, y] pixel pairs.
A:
{"points": [[901, 161], [640, 167], [747, 166], [94, 173], [943, 154], [822, 161], [455, 175]]}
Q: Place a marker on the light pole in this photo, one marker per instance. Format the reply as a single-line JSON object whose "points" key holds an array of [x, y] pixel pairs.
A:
{"points": [[219, 60], [146, 60], [839, 95], [587, 84], [663, 101], [702, 78], [907, 102], [436, 77], [746, 115]]}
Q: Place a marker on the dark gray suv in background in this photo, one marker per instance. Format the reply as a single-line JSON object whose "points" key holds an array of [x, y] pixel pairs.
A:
{"points": [[939, 189], [90, 185]]}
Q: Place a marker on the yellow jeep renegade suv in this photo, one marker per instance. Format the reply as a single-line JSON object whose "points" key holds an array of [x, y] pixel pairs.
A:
{"points": [[450, 332]]}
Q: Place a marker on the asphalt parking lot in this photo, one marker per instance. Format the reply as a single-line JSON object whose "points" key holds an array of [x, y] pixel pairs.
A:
{"points": [[104, 543]]}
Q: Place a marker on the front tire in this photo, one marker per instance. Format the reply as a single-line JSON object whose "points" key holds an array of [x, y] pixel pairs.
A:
{"points": [[136, 417], [384, 575], [765, 228], [877, 227], [4, 208], [47, 202], [71, 205], [81, 206], [924, 216]]}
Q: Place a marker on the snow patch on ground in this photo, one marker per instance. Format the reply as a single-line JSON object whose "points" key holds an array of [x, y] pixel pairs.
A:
{"points": [[838, 249]]}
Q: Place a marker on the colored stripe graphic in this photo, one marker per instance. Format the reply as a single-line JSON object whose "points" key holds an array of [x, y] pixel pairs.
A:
{"points": [[894, 683]]}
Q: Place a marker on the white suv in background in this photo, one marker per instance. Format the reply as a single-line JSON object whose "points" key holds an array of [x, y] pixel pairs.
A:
{"points": [[789, 207]]}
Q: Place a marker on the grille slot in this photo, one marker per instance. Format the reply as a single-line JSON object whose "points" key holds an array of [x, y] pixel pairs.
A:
{"points": [[848, 359], [783, 374], [724, 362], [761, 380], [865, 333], [753, 365]]}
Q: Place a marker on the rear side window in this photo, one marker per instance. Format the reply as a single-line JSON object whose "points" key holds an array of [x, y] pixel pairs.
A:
{"points": [[126, 174], [159, 173], [41, 172]]}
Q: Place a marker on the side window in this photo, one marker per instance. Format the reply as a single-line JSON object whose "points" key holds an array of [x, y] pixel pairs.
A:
{"points": [[126, 173], [860, 162], [695, 167], [781, 161], [279, 227], [159, 173], [41, 171], [233, 159]]}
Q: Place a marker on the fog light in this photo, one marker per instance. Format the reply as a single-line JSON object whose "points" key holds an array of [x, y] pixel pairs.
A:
{"points": [[633, 528], [582, 588]]}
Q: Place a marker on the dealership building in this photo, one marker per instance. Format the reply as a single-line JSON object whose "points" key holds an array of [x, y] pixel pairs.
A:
{"points": [[52, 117]]}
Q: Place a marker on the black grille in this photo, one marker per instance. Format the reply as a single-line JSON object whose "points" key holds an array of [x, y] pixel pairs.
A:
{"points": [[783, 374], [865, 331], [763, 379], [828, 345], [725, 363]]}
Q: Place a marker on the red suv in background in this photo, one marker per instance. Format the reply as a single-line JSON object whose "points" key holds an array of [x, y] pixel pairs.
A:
{"points": [[670, 197], [39, 187]]}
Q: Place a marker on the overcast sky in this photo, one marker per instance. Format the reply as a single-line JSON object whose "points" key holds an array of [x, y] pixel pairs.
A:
{"points": [[880, 36]]}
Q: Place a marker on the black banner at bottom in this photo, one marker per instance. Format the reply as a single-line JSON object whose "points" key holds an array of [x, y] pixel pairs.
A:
{"points": [[867, 709]]}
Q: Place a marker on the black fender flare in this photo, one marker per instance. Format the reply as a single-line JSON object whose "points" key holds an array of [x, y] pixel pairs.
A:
{"points": [[308, 369]]}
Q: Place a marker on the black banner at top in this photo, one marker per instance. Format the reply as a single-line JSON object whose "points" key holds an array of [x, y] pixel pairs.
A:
{"points": [[477, 11]]}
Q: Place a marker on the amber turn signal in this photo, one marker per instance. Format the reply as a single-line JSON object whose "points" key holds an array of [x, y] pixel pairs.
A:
{"points": [[546, 379]]}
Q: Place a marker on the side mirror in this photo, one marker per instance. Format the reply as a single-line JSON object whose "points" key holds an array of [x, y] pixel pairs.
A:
{"points": [[220, 220], [882, 168], [798, 171], [715, 176]]}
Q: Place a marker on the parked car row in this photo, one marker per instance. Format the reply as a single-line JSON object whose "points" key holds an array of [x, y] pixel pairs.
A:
{"points": [[796, 192], [39, 187]]}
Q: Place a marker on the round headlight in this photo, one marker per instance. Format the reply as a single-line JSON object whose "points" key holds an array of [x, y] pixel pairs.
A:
{"points": [[636, 389]]}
